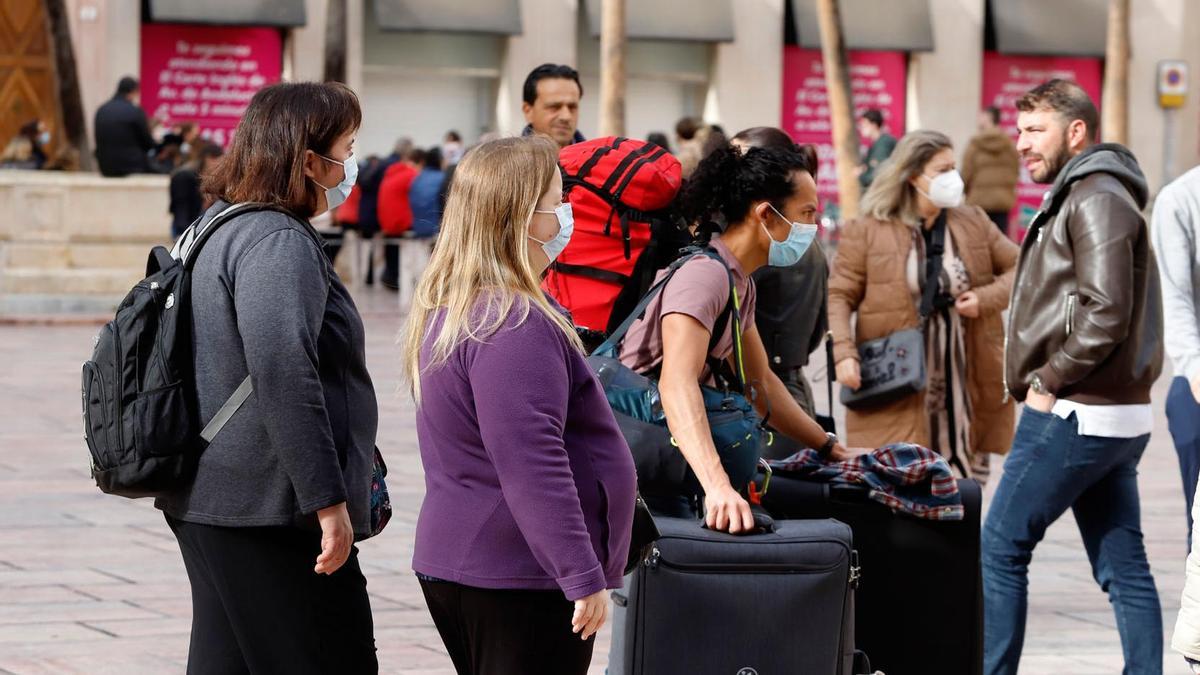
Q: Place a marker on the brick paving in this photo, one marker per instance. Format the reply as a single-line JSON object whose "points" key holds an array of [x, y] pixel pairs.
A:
{"points": [[94, 584]]}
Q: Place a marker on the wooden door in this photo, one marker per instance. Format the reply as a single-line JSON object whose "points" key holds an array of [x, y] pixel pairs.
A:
{"points": [[27, 85]]}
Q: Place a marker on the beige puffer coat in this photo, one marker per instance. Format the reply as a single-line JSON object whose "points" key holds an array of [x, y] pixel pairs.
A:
{"points": [[869, 283]]}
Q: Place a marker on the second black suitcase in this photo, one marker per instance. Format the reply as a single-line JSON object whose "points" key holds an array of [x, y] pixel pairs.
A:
{"points": [[711, 602], [919, 607]]}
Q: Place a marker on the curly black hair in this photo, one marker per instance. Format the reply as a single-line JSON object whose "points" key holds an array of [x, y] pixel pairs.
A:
{"points": [[727, 182]]}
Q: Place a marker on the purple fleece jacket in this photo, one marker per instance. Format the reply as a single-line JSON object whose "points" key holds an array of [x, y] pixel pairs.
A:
{"points": [[529, 482]]}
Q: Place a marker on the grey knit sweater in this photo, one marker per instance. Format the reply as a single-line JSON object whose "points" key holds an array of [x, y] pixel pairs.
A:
{"points": [[265, 301]]}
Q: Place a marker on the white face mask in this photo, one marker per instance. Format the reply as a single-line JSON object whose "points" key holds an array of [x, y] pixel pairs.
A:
{"points": [[566, 226], [789, 251], [339, 193], [945, 189]]}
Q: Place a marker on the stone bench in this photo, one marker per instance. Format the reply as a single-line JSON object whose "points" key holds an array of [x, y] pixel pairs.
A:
{"points": [[76, 242]]}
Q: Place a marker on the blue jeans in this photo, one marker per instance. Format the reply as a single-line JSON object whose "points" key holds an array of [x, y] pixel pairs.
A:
{"points": [[1052, 468], [1183, 419]]}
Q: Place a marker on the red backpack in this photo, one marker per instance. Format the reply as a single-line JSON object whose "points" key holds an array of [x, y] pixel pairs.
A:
{"points": [[620, 191]]}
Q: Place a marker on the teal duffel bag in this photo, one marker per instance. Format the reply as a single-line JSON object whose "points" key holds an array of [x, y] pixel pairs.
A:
{"points": [[737, 430]]}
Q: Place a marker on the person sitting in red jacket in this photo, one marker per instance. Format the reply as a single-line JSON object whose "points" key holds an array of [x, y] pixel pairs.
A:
{"points": [[395, 213], [343, 218], [346, 215]]}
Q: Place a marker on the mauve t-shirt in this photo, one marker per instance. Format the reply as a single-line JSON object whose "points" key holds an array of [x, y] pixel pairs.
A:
{"points": [[700, 289]]}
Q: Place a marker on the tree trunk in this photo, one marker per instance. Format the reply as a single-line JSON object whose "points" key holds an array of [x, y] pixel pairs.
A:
{"points": [[335, 41], [1114, 111], [74, 123], [612, 68], [841, 109]]}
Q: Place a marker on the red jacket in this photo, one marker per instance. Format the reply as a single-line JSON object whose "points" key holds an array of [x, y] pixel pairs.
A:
{"points": [[347, 213], [395, 214]]}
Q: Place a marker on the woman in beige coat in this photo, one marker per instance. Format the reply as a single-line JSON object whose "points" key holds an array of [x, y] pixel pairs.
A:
{"points": [[879, 275]]}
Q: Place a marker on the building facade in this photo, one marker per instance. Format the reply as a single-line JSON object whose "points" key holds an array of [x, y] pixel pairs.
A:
{"points": [[423, 67]]}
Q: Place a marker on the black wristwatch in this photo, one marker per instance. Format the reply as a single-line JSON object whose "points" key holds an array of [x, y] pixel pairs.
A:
{"points": [[826, 450]]}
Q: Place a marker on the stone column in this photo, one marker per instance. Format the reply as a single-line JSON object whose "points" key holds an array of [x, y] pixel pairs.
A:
{"points": [[746, 88], [549, 37]]}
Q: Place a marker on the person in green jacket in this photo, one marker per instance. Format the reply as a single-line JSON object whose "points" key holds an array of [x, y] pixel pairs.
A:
{"points": [[870, 127]]}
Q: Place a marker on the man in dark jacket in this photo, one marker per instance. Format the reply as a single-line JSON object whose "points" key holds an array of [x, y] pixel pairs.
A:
{"points": [[870, 127], [122, 135], [368, 206], [187, 199], [1084, 348]]}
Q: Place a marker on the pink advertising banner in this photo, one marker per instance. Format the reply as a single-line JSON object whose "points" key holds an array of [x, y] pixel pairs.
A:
{"points": [[1005, 79], [877, 80], [206, 74]]}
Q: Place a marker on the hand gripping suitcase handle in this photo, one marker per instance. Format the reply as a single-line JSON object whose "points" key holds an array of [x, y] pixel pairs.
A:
{"points": [[763, 522]]}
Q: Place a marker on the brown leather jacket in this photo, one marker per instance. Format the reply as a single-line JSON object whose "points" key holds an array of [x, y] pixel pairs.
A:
{"points": [[869, 283], [1086, 309]]}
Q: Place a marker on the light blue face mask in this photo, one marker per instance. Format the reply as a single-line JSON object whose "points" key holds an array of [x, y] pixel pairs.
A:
{"points": [[566, 226], [789, 251], [339, 193]]}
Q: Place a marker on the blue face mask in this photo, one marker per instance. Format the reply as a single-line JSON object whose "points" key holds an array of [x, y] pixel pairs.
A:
{"points": [[341, 192], [789, 251], [566, 226]]}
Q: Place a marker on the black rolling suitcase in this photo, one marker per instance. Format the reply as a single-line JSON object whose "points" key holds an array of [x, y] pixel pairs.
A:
{"points": [[781, 601], [919, 607]]}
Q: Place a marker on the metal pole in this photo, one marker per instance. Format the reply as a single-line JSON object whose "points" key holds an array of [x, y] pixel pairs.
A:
{"points": [[1168, 169]]}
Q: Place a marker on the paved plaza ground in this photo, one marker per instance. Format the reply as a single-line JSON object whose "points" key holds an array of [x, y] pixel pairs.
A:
{"points": [[94, 584]]}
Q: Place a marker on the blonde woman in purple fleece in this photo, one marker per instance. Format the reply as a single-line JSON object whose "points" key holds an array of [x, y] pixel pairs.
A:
{"points": [[529, 483]]}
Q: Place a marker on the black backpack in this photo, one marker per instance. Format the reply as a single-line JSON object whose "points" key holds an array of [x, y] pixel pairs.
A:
{"points": [[140, 414]]}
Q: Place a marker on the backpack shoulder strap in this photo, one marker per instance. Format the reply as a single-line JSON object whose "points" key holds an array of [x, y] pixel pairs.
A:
{"points": [[611, 345], [227, 409], [732, 312], [187, 249], [188, 246]]}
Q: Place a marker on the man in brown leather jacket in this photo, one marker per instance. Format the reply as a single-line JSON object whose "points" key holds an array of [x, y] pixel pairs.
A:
{"points": [[1084, 347]]}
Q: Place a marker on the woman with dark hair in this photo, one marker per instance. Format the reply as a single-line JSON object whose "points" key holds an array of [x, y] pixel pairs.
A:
{"points": [[268, 522], [768, 201], [912, 212], [791, 315], [27, 150], [187, 202]]}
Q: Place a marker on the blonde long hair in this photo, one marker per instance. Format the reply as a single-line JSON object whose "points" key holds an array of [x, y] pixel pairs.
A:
{"points": [[891, 195], [480, 270]]}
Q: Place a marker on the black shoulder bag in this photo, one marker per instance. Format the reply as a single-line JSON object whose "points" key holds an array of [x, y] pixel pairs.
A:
{"points": [[893, 366]]}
